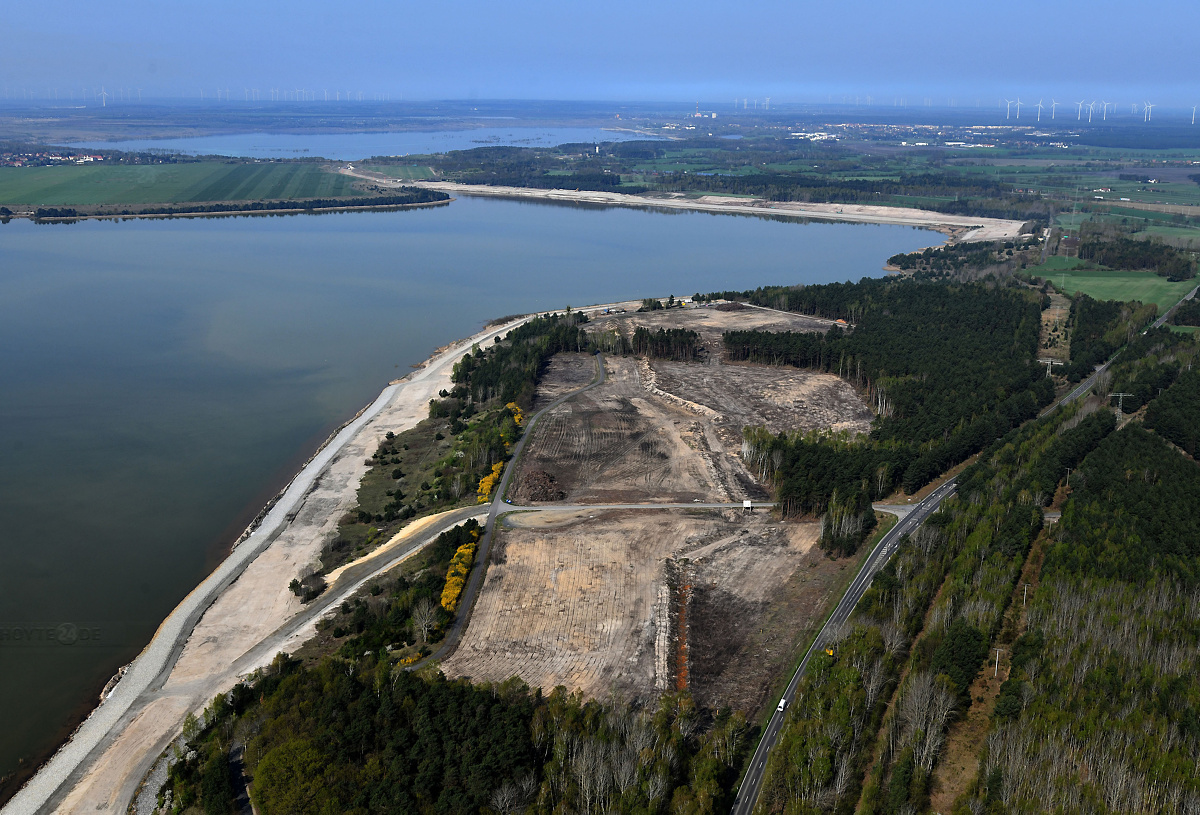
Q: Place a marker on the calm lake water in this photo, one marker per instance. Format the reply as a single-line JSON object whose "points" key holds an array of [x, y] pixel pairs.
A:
{"points": [[354, 146], [161, 379]]}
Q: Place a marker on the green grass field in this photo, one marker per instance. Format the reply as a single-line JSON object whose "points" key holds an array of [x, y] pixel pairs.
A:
{"points": [[410, 172], [1106, 284], [75, 185], [1185, 329]]}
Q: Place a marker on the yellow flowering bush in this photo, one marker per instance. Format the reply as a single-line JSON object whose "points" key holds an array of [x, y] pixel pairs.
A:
{"points": [[456, 577], [515, 409], [489, 481]]}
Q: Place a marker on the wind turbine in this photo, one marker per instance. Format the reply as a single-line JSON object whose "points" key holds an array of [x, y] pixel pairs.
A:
{"points": [[1105, 111], [1018, 107], [1149, 111], [1008, 108], [1194, 114], [139, 96], [1053, 105], [1039, 107], [1079, 111], [103, 97], [1091, 109]]}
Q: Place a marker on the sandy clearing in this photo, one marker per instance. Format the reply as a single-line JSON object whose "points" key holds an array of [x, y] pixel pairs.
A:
{"points": [[587, 602], [241, 604], [960, 228]]}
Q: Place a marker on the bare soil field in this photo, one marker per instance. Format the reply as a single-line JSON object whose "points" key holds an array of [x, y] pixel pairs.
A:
{"points": [[608, 601], [707, 321], [782, 399], [613, 444]]}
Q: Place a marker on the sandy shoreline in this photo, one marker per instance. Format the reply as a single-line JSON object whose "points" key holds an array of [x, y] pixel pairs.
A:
{"points": [[235, 620], [959, 228], [240, 605]]}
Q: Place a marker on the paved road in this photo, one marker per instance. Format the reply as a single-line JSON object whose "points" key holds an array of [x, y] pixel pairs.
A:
{"points": [[1086, 385], [748, 792], [752, 783]]}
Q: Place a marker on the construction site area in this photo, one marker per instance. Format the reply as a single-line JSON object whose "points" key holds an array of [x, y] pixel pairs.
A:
{"points": [[641, 601]]}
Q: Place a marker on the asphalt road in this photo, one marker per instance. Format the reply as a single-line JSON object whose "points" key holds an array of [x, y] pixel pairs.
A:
{"points": [[752, 783], [748, 792]]}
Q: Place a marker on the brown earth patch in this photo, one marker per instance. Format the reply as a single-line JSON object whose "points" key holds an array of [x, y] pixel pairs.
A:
{"points": [[710, 322], [616, 443], [596, 603]]}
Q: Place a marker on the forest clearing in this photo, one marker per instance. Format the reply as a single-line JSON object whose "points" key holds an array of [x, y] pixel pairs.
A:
{"points": [[645, 602]]}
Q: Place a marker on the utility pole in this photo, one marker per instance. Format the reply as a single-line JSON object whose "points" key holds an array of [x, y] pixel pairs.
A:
{"points": [[1068, 477], [1049, 363], [1120, 402]]}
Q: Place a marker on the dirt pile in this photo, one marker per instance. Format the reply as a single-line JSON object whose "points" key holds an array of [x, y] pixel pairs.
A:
{"points": [[538, 486]]}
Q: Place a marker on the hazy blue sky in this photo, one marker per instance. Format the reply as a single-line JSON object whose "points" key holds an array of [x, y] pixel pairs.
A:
{"points": [[790, 50]]}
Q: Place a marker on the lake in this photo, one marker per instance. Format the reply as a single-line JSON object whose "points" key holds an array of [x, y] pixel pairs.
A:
{"points": [[354, 146], [163, 378]]}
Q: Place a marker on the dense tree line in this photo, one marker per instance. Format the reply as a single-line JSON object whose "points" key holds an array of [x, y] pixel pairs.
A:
{"points": [[1133, 512], [364, 736], [410, 195], [1127, 253], [1175, 415], [933, 612], [1099, 328], [1106, 675], [510, 370], [1188, 313], [951, 258], [947, 367], [675, 343]]}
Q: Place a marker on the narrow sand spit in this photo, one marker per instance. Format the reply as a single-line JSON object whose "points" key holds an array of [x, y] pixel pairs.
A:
{"points": [[960, 228], [206, 642]]}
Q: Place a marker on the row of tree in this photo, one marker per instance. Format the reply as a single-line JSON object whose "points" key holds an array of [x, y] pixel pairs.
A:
{"points": [[1151, 255]]}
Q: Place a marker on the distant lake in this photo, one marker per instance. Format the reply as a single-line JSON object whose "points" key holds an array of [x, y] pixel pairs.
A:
{"points": [[162, 379], [355, 146]]}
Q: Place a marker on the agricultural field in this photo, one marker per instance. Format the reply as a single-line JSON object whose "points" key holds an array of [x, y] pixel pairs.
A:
{"points": [[409, 172], [200, 182], [1109, 284]]}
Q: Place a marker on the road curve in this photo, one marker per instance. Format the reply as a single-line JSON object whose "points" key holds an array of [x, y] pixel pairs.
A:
{"points": [[752, 783], [748, 792]]}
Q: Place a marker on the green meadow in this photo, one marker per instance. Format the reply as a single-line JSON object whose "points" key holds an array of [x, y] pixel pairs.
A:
{"points": [[1109, 284]]}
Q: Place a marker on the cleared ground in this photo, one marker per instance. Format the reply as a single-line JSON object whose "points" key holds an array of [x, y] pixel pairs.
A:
{"points": [[93, 184], [782, 399], [641, 602], [670, 431], [709, 322], [613, 444]]}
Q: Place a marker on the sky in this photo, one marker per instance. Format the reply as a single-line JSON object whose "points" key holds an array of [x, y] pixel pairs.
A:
{"points": [[794, 50]]}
